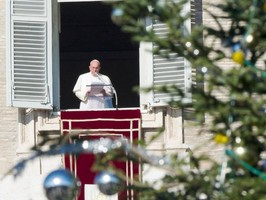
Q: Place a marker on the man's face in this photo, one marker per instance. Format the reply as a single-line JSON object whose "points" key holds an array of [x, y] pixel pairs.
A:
{"points": [[94, 68]]}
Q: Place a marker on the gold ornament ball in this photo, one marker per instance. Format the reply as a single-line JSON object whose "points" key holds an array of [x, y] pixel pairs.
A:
{"points": [[238, 57], [221, 138]]}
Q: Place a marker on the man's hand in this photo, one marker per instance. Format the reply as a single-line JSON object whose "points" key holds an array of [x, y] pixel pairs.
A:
{"points": [[103, 92], [88, 90]]}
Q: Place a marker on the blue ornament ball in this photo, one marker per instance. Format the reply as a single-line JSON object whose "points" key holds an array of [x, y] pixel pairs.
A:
{"points": [[61, 184], [236, 47], [108, 182], [117, 16]]}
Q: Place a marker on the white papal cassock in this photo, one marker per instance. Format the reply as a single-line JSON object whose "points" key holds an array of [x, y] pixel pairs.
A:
{"points": [[94, 85]]}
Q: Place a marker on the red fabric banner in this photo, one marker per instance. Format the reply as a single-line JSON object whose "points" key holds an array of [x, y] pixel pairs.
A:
{"points": [[94, 124]]}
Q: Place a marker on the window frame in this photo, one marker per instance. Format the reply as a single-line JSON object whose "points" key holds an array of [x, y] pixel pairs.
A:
{"points": [[148, 99], [53, 91]]}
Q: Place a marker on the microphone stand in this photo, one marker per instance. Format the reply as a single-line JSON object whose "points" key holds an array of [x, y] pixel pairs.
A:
{"points": [[116, 100]]}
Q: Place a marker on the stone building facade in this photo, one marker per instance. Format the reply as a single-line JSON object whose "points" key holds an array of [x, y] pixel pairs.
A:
{"points": [[20, 129]]}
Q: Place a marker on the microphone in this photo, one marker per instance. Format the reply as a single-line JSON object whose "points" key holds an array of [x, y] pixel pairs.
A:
{"points": [[113, 89]]}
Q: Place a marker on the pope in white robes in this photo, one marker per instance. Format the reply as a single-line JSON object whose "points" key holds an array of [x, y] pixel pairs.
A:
{"points": [[94, 90]]}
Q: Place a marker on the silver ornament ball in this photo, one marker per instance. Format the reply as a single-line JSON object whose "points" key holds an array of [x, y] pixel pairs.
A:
{"points": [[117, 16], [108, 182], [61, 185]]}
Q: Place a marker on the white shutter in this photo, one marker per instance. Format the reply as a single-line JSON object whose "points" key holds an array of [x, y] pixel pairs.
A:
{"points": [[30, 53], [196, 19], [173, 70], [156, 70]]}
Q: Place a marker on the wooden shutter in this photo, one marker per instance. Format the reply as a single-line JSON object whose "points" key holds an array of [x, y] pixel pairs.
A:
{"points": [[30, 53]]}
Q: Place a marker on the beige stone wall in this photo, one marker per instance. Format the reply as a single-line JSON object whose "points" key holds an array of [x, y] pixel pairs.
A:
{"points": [[29, 184], [8, 116], [202, 143]]}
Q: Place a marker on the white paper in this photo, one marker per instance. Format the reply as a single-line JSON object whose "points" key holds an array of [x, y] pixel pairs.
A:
{"points": [[93, 193], [96, 89]]}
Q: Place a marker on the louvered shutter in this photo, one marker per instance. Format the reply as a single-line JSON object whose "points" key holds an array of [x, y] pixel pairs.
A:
{"points": [[173, 70], [30, 73], [156, 70], [196, 19]]}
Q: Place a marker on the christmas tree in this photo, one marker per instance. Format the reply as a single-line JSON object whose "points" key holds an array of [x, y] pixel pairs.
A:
{"points": [[238, 118]]}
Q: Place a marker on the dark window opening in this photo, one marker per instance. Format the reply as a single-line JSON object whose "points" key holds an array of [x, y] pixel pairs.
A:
{"points": [[87, 33]]}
